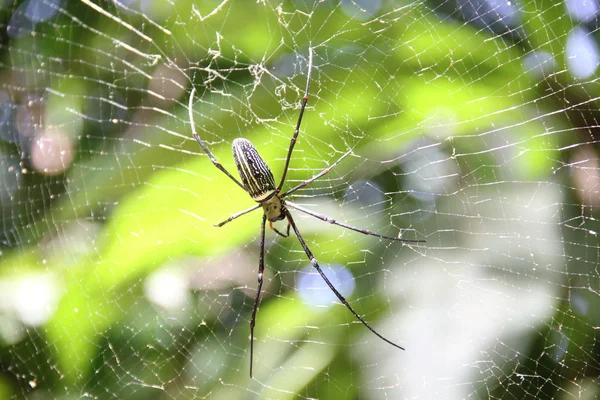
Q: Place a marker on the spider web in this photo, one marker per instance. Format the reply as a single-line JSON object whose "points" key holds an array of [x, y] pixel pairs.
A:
{"points": [[471, 124]]}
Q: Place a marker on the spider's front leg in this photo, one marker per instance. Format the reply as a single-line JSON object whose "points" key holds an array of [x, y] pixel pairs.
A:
{"points": [[287, 233], [315, 264], [261, 270]]}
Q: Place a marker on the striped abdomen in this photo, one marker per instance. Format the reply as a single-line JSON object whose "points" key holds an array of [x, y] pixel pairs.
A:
{"points": [[256, 175]]}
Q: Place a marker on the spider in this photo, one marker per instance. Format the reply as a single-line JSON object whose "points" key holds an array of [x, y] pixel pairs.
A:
{"points": [[257, 180]]}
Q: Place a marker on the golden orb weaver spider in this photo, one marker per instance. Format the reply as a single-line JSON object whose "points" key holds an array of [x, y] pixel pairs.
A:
{"points": [[257, 180]]}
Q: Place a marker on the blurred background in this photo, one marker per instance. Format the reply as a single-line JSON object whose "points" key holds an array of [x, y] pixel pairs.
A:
{"points": [[471, 124]]}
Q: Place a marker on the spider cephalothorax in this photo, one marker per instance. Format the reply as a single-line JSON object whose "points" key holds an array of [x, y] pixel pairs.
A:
{"points": [[257, 180]]}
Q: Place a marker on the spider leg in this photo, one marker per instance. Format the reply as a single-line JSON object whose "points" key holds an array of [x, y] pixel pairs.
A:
{"points": [[352, 228], [297, 130], [287, 234], [234, 216], [201, 143], [315, 264], [261, 269], [314, 178]]}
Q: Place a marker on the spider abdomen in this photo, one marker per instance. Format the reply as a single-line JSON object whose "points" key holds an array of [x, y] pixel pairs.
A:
{"points": [[255, 173]]}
